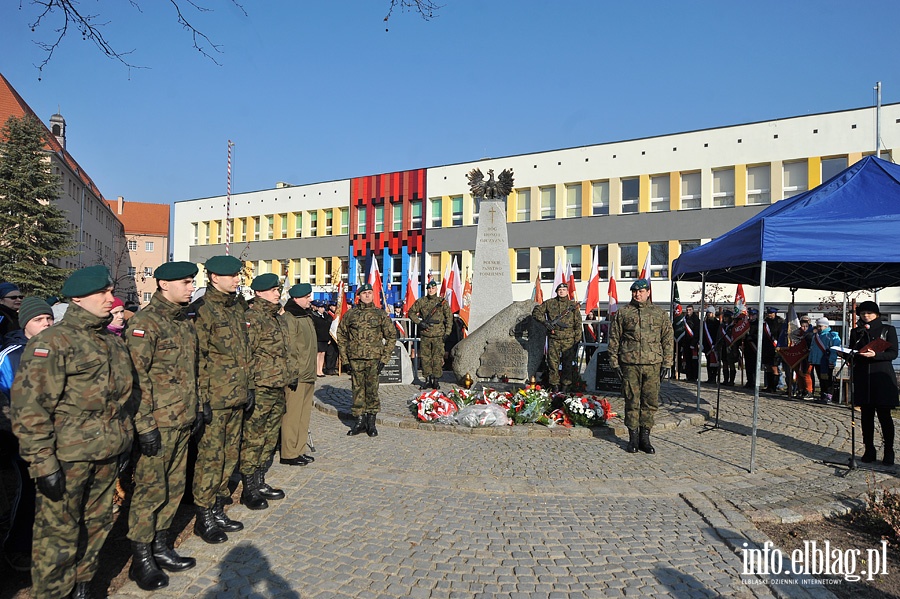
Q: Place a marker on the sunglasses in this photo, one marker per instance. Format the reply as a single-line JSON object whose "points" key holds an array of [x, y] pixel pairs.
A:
{"points": [[13, 297]]}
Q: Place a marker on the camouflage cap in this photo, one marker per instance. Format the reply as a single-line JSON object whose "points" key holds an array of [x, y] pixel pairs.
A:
{"points": [[364, 287], [223, 265], [174, 271], [265, 282], [86, 281], [431, 283], [300, 290], [640, 284]]}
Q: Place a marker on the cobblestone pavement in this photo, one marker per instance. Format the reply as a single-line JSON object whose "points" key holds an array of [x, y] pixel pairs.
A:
{"points": [[439, 511]]}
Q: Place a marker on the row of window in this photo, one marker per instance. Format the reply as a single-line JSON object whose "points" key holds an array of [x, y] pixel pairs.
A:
{"points": [[147, 272], [272, 226], [133, 245]]}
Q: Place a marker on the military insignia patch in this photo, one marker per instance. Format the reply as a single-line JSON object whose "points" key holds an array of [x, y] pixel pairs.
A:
{"points": [[40, 352], [137, 333]]}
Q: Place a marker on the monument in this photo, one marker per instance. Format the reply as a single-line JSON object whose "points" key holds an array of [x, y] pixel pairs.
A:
{"points": [[491, 283], [398, 370]]}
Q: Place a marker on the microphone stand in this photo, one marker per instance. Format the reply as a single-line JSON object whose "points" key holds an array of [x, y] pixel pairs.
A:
{"points": [[851, 463], [715, 427]]}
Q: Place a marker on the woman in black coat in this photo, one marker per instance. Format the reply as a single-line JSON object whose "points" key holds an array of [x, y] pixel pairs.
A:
{"points": [[874, 382]]}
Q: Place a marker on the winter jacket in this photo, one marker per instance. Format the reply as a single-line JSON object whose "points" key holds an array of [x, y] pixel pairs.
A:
{"points": [[874, 379], [828, 338]]}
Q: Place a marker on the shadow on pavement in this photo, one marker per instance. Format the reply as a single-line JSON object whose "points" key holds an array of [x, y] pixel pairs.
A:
{"points": [[682, 585], [246, 572]]}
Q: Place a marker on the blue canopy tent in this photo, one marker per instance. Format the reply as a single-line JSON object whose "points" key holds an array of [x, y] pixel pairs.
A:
{"points": [[843, 235]]}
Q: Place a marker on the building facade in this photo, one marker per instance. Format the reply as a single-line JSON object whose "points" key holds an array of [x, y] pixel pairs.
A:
{"points": [[656, 197], [145, 247]]}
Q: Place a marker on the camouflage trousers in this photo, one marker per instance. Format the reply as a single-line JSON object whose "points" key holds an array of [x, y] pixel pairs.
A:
{"points": [[69, 533], [218, 451], [365, 387], [295, 423], [159, 483], [431, 356], [640, 387], [261, 429], [561, 351]]}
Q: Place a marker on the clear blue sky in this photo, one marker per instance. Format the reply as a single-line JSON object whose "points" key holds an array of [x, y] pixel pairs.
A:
{"points": [[316, 90]]}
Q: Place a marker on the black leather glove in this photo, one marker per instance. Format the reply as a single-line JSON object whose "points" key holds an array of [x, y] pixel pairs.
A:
{"points": [[664, 372], [207, 414], [293, 385], [423, 326], [151, 442], [251, 401], [619, 373], [123, 461], [52, 486], [380, 367]]}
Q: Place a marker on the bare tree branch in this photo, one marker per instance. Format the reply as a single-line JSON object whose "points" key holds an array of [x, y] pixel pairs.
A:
{"points": [[425, 8]]}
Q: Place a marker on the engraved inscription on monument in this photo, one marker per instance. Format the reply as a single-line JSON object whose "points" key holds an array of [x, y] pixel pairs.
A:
{"points": [[503, 359]]}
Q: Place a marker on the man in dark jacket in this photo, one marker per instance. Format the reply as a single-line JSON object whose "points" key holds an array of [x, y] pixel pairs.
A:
{"points": [[771, 332], [10, 301]]}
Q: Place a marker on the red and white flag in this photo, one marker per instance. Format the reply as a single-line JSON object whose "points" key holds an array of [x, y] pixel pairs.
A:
{"points": [[466, 303], [453, 289], [412, 284], [375, 282], [570, 280], [559, 278], [740, 302], [613, 293], [342, 308], [646, 274], [592, 295]]}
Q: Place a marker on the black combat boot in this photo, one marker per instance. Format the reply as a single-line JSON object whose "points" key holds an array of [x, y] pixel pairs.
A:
{"points": [[144, 570], [224, 522], [263, 487], [426, 383], [206, 527], [645, 441], [370, 425], [632, 441], [435, 384], [81, 591], [250, 496], [358, 427], [166, 557]]}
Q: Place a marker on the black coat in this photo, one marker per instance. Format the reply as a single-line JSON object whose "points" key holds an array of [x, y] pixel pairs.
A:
{"points": [[874, 381]]}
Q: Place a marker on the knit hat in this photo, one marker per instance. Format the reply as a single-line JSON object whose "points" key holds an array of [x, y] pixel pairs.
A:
{"points": [[867, 306], [710, 309], [86, 281], [823, 322], [32, 307], [117, 303], [300, 290], [6, 289]]}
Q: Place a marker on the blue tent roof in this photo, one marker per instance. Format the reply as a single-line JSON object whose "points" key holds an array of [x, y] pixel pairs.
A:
{"points": [[840, 236]]}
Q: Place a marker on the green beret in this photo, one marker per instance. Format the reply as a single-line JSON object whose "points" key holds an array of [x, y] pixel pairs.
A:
{"points": [[223, 265], [175, 271], [265, 282], [300, 290], [86, 281], [431, 283], [365, 287], [32, 307], [640, 284]]}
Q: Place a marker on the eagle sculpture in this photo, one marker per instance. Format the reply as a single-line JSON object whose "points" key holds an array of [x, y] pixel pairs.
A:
{"points": [[491, 189]]}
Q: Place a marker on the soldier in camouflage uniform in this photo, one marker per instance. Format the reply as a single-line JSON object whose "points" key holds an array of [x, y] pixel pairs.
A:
{"points": [[224, 382], [432, 314], [268, 342], [163, 348], [640, 350], [70, 413], [366, 339], [562, 318]]}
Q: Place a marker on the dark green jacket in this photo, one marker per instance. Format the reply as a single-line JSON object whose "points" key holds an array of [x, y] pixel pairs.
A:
{"points": [[301, 333]]}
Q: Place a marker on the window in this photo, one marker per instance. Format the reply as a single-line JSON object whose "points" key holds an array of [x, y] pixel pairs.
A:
{"points": [[311, 271], [600, 198], [436, 209], [603, 261], [284, 226], [723, 188], [220, 225], [147, 296], [397, 269], [434, 266], [132, 271], [758, 185], [573, 200], [345, 270], [832, 166], [548, 203], [326, 264], [230, 235], [690, 191], [573, 256], [148, 246], [631, 194], [195, 242], [397, 217], [628, 261], [476, 210], [298, 224], [345, 221], [547, 265], [132, 244], [456, 211], [244, 225], [689, 244], [379, 219], [361, 220], [659, 260], [313, 223], [255, 229], [148, 271], [523, 205], [415, 210], [795, 178], [523, 264], [270, 227], [329, 222], [659, 193]]}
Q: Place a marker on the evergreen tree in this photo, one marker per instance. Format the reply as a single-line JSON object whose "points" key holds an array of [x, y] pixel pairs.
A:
{"points": [[34, 232]]}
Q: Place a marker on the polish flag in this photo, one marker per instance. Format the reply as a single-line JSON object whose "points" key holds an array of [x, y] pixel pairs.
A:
{"points": [[452, 288], [412, 284], [342, 308], [613, 293], [570, 280], [559, 278], [592, 295], [375, 282], [645, 274], [466, 303]]}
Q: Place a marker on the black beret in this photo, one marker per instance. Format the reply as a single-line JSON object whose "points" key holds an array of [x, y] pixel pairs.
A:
{"points": [[175, 271], [86, 281], [223, 265], [265, 282]]}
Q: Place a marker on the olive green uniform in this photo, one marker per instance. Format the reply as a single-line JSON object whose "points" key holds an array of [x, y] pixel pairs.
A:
{"points": [[365, 337], [562, 318], [641, 341], [223, 379], [302, 358], [432, 314], [271, 373], [71, 411], [163, 347]]}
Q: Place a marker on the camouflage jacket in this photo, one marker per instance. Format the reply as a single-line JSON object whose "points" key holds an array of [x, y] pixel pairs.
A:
{"points": [[163, 347], [302, 343], [225, 359], [435, 310], [562, 317], [71, 396], [366, 333], [268, 342], [640, 334]]}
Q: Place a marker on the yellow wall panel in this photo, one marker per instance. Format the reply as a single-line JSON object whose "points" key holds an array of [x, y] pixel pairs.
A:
{"points": [[814, 171], [740, 184], [644, 200], [674, 190]]}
